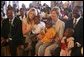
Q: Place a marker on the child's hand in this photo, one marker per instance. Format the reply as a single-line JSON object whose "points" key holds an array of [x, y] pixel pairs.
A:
{"points": [[78, 44]]}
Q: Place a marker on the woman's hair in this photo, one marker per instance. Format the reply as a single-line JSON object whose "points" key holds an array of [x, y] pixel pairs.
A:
{"points": [[30, 10], [56, 9]]}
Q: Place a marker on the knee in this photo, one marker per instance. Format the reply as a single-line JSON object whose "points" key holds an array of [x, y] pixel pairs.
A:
{"points": [[47, 49]]}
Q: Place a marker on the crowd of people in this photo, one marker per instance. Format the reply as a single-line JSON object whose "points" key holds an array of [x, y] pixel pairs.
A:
{"points": [[56, 31]]}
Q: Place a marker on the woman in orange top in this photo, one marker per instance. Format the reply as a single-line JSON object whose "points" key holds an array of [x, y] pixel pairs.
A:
{"points": [[46, 39]]}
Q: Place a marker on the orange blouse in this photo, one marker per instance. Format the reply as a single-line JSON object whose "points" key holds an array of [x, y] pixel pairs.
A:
{"points": [[49, 35]]}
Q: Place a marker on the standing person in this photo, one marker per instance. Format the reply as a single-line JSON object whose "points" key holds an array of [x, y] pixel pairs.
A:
{"points": [[59, 27]]}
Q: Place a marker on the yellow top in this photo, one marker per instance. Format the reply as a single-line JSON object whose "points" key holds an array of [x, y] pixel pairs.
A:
{"points": [[48, 36]]}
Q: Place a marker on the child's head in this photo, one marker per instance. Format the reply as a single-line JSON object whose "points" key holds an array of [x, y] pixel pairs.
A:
{"points": [[69, 32], [37, 19], [48, 23]]}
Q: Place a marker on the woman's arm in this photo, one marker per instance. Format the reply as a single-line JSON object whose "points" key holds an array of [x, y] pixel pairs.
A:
{"points": [[25, 27]]}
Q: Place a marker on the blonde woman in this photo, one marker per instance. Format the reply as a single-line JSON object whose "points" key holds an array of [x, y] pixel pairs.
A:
{"points": [[27, 25]]}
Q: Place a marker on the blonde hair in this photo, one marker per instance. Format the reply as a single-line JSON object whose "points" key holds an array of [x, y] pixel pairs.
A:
{"points": [[32, 9]]}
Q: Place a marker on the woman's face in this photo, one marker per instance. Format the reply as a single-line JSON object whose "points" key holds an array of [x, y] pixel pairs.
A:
{"points": [[53, 15], [31, 14]]}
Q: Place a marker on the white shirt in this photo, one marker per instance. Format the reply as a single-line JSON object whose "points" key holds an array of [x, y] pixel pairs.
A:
{"points": [[38, 28], [77, 20]]}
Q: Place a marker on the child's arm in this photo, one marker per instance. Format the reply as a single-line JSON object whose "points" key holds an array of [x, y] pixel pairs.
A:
{"points": [[70, 43]]}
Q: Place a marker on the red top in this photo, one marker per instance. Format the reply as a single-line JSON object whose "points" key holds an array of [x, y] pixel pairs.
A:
{"points": [[64, 45]]}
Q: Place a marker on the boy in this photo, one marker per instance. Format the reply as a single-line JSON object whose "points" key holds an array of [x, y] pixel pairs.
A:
{"points": [[46, 38]]}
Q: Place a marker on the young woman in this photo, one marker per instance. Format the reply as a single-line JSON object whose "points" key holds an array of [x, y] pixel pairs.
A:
{"points": [[27, 26]]}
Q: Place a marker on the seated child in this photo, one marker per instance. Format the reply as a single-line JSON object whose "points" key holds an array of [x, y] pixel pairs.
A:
{"points": [[46, 39], [38, 26], [67, 42]]}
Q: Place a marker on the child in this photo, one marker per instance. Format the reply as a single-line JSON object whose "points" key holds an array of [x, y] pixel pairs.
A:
{"points": [[67, 42], [46, 38], [39, 25]]}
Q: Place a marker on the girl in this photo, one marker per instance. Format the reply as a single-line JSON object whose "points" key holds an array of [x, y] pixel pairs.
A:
{"points": [[67, 42]]}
